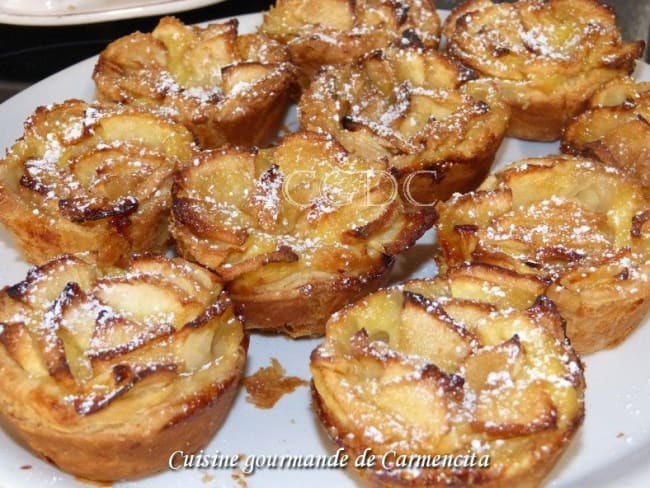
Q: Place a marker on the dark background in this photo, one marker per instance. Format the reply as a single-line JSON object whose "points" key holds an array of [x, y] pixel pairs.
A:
{"points": [[28, 54]]}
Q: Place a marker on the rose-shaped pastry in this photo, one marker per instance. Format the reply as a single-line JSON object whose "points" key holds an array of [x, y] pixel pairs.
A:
{"points": [[578, 223], [323, 32], [615, 128], [91, 177], [410, 105], [464, 380], [225, 88], [107, 372], [298, 230], [546, 56]]}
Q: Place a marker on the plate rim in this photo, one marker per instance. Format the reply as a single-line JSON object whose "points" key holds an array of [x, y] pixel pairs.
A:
{"points": [[96, 15]]}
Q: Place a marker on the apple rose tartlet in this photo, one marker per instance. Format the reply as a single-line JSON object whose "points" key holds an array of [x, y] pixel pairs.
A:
{"points": [[225, 88], [409, 105], [546, 56], [91, 177], [107, 372], [464, 380], [578, 223], [615, 128], [300, 229], [324, 32]]}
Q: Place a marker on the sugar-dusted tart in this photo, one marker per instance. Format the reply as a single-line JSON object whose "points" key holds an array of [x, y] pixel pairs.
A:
{"points": [[297, 230], [467, 379], [579, 224], [108, 371], [91, 177], [322, 32], [615, 128], [409, 105], [546, 56], [225, 87]]}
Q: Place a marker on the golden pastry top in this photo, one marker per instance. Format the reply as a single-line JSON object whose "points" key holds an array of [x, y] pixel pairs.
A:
{"points": [[90, 162], [82, 345], [178, 63], [359, 26], [302, 209], [474, 361], [549, 216], [626, 92], [615, 128], [546, 41], [401, 101]]}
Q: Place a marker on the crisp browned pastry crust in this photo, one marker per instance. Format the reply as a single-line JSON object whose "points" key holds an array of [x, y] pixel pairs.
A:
{"points": [[107, 372], [615, 128], [471, 363], [578, 223], [546, 56], [300, 230], [409, 105], [324, 32], [91, 177], [225, 88]]}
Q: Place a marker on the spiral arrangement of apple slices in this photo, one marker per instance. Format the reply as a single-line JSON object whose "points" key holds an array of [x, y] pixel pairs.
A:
{"points": [[300, 230], [580, 224], [410, 105], [107, 372], [546, 56], [471, 363], [91, 177], [615, 128], [339, 31], [225, 88]]}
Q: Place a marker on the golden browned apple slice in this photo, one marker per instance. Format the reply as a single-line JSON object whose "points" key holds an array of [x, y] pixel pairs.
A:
{"points": [[429, 332]]}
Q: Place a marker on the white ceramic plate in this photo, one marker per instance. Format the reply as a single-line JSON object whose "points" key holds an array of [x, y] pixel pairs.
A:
{"points": [[611, 449], [70, 12]]}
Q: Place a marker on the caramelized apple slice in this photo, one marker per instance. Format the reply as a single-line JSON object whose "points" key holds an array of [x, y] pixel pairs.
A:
{"points": [[428, 331], [495, 366], [513, 411], [146, 129], [114, 336], [21, 346], [148, 300], [192, 279], [240, 76], [419, 405], [498, 287], [44, 284]]}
